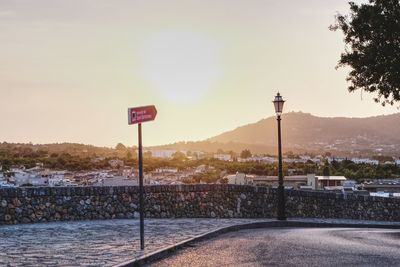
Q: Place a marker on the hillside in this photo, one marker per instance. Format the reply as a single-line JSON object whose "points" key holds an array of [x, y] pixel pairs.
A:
{"points": [[301, 132], [305, 132]]}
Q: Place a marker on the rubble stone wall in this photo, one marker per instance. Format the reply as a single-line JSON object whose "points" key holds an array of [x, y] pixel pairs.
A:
{"points": [[44, 204]]}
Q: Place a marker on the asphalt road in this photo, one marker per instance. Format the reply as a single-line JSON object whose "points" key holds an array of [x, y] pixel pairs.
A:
{"points": [[294, 247]]}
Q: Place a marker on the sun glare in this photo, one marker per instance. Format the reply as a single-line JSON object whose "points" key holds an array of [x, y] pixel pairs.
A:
{"points": [[182, 67]]}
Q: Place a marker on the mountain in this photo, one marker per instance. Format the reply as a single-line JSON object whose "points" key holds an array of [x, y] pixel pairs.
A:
{"points": [[304, 132]]}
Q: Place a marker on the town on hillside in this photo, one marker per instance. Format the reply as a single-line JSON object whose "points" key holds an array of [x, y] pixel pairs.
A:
{"points": [[377, 176]]}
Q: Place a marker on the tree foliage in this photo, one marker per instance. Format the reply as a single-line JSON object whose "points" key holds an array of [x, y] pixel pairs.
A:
{"points": [[245, 154], [120, 146], [326, 171], [372, 38]]}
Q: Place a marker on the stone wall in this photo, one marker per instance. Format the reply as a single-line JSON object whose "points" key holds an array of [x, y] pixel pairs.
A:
{"points": [[29, 205]]}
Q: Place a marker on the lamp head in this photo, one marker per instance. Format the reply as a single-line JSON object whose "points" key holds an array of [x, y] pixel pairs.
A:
{"points": [[278, 103]]}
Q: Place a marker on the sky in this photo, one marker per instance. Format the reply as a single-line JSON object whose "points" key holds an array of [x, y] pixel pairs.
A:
{"points": [[70, 69]]}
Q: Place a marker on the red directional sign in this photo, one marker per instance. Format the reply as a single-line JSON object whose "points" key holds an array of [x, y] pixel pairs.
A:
{"points": [[141, 114]]}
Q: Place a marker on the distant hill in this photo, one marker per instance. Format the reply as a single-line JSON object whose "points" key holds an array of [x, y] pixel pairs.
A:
{"points": [[305, 132], [301, 132], [212, 147], [57, 148]]}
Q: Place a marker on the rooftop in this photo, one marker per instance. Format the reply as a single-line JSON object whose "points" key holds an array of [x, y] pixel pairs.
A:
{"points": [[331, 178]]}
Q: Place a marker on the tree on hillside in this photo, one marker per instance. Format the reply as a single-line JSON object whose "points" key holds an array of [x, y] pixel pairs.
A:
{"points": [[129, 155], [232, 153], [326, 171], [178, 155], [245, 154], [120, 147], [372, 38]]}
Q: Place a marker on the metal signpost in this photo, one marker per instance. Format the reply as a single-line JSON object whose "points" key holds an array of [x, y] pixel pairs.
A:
{"points": [[137, 116]]}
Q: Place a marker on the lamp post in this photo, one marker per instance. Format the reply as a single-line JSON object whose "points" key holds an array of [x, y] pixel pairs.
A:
{"points": [[278, 103]]}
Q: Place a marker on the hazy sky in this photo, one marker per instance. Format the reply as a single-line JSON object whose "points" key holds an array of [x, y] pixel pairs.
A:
{"points": [[70, 69]]}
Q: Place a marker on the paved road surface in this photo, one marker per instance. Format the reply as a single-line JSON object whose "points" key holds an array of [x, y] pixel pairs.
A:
{"points": [[96, 243], [294, 247]]}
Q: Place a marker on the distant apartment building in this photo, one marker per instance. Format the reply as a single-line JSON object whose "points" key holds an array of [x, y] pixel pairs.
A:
{"points": [[365, 161], [337, 159], [201, 169], [97, 159], [309, 181], [56, 178], [258, 159], [128, 172], [305, 157], [20, 178], [389, 163], [39, 164], [166, 170], [316, 160], [224, 157], [165, 154], [3, 181], [239, 179], [325, 182]]}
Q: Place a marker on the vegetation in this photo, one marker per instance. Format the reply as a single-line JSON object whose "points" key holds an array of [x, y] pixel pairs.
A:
{"points": [[245, 154], [28, 156], [361, 172], [372, 38]]}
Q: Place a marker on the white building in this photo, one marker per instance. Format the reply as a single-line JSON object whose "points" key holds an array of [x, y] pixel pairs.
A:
{"points": [[166, 154], [316, 160], [258, 159], [325, 182], [330, 160], [23, 178], [224, 157], [39, 181], [238, 178], [97, 159], [128, 172], [200, 169], [166, 170], [305, 157], [349, 186], [365, 161], [56, 178], [3, 181]]}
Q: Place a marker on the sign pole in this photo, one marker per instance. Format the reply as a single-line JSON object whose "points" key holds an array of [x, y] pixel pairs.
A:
{"points": [[138, 115], [141, 204]]}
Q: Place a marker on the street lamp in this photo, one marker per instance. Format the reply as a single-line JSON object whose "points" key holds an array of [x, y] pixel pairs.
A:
{"points": [[278, 103]]}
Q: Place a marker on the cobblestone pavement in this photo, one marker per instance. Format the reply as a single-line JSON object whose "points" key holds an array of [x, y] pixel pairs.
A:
{"points": [[96, 243]]}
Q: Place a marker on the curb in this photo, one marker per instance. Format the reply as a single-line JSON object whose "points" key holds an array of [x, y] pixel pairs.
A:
{"points": [[165, 252]]}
